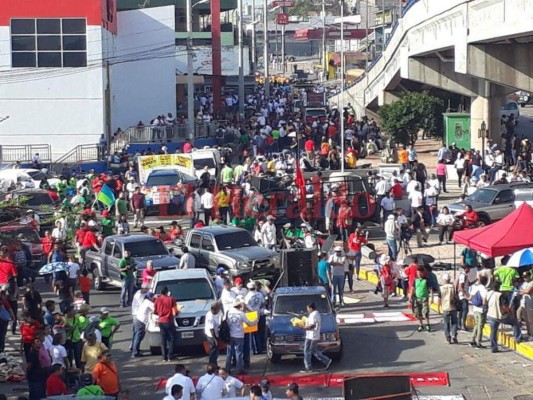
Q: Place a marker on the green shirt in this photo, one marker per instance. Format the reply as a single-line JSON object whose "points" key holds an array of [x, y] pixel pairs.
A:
{"points": [[73, 331], [227, 174], [245, 139], [107, 226], [123, 263], [82, 321], [106, 326], [237, 172], [121, 206], [506, 275], [275, 134], [421, 288]]}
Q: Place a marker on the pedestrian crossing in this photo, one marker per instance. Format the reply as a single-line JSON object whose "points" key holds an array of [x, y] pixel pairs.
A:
{"points": [[347, 318]]}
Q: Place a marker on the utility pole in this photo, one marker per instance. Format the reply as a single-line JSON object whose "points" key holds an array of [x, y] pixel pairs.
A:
{"points": [[342, 87], [241, 64], [190, 83], [283, 66], [254, 43], [265, 49], [382, 26], [324, 55], [366, 35]]}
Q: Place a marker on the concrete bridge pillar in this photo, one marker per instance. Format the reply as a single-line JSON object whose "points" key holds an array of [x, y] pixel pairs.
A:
{"points": [[485, 107]]}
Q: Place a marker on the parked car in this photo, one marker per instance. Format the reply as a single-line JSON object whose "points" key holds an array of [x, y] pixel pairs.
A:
{"points": [[104, 263], [232, 248], [492, 203], [38, 200], [26, 174], [524, 98], [510, 108], [523, 195], [286, 339], [27, 235], [194, 290]]}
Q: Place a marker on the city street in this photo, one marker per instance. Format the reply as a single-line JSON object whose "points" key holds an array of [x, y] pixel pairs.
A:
{"points": [[392, 347]]}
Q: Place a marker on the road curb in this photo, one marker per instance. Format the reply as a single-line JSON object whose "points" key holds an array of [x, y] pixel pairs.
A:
{"points": [[504, 339]]}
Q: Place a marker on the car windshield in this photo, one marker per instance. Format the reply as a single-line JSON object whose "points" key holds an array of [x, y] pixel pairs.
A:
{"points": [[483, 196], [315, 113], [297, 304], [169, 179], [188, 289], [146, 248], [200, 163], [24, 234], [37, 199], [36, 175], [235, 240]]}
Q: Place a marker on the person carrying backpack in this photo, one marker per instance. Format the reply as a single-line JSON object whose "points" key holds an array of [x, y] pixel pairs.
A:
{"points": [[499, 312], [478, 299], [448, 307]]}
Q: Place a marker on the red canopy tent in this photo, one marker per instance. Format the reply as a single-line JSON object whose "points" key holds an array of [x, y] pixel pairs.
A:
{"points": [[513, 233]]}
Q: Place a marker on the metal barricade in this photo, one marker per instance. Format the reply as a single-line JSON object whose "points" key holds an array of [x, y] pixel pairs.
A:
{"points": [[25, 153]]}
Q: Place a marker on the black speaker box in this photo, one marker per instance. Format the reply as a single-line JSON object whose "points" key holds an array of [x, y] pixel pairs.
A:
{"points": [[378, 387], [299, 267]]}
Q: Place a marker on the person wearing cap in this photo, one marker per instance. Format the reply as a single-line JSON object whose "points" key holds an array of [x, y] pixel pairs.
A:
{"points": [[236, 318], [448, 308], [187, 260], [239, 289], [105, 374], [391, 235], [268, 233], [337, 261], [255, 301], [293, 392], [266, 394], [108, 326], [218, 280], [108, 224]]}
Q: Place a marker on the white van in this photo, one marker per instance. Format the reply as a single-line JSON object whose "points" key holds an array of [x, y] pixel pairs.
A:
{"points": [[205, 157], [523, 195]]}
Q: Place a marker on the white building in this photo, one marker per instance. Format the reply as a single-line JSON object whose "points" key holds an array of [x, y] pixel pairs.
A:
{"points": [[73, 70]]}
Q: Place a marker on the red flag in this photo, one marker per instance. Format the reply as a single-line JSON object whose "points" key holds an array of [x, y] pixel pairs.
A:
{"points": [[300, 182]]}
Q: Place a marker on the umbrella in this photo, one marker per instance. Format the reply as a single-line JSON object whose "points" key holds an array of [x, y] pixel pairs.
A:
{"points": [[521, 258], [53, 267], [420, 259]]}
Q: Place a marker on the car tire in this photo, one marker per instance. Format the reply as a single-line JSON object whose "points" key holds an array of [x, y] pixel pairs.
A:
{"points": [[155, 350], [483, 221], [99, 285], [274, 358]]}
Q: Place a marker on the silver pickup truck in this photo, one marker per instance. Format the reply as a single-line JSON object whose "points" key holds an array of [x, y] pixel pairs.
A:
{"points": [[104, 263], [232, 248]]}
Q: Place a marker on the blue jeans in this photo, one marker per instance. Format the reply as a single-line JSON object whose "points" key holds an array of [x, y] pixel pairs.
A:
{"points": [[463, 313], [357, 263], [127, 290], [310, 350], [343, 232], [450, 324], [393, 249], [495, 324], [338, 288], [213, 350], [139, 330], [235, 348], [168, 334]]}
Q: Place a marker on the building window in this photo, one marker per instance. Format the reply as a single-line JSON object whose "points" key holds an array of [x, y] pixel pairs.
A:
{"points": [[49, 43]]}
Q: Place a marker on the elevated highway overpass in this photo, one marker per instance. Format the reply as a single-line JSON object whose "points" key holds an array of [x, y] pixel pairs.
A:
{"points": [[481, 49]]}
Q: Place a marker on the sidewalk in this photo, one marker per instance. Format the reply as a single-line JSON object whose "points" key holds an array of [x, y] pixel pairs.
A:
{"points": [[505, 336]]}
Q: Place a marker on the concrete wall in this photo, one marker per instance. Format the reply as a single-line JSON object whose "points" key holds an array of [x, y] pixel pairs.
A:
{"points": [[61, 107], [143, 70]]}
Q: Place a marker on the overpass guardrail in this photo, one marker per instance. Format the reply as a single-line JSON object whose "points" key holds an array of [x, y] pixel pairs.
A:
{"points": [[10, 154]]}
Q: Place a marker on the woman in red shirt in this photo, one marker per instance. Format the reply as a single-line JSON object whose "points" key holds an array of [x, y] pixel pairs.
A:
{"points": [[6, 315], [345, 213], [28, 332]]}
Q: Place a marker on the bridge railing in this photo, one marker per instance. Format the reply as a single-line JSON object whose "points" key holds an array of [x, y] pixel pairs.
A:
{"points": [[24, 153], [79, 154]]}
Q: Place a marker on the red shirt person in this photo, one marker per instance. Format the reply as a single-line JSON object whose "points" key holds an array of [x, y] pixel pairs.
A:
{"points": [[165, 307], [54, 384], [8, 268]]}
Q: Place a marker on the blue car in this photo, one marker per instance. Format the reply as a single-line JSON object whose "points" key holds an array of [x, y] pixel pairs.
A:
{"points": [[286, 339]]}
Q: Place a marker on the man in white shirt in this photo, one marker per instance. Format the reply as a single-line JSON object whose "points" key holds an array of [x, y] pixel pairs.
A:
{"points": [[211, 386], [73, 272], [312, 336], [213, 319], [387, 205], [236, 318], [337, 262], [143, 307], [176, 393], [208, 201], [416, 199], [227, 296], [480, 311], [268, 233], [255, 301], [179, 378], [239, 289], [187, 260], [231, 384]]}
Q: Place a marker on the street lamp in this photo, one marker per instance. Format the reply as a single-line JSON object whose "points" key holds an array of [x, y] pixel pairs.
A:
{"points": [[342, 86], [483, 133], [190, 72]]}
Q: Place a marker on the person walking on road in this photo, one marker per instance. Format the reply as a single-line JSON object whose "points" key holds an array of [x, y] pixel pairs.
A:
{"points": [[213, 319], [236, 318], [187, 260], [337, 261], [108, 327], [126, 267], [448, 309], [312, 336], [478, 298], [499, 312], [165, 307], [138, 206]]}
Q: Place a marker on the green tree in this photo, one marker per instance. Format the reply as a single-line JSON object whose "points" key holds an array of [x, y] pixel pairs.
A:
{"points": [[413, 112]]}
